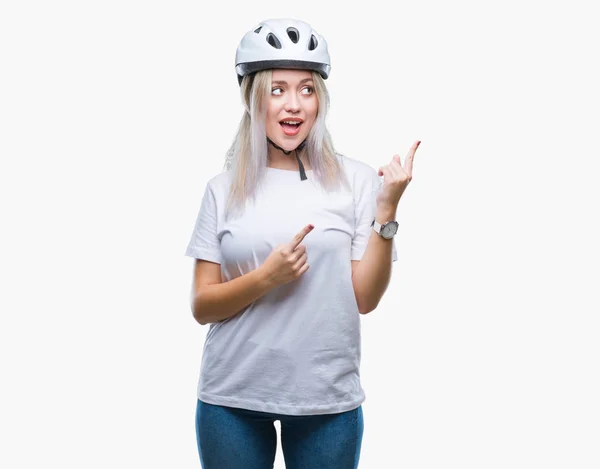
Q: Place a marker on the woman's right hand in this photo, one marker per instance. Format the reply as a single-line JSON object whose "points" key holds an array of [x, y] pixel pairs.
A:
{"points": [[287, 261]]}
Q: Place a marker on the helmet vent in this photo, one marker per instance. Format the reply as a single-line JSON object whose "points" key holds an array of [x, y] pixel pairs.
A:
{"points": [[312, 45], [257, 30], [272, 39], [293, 34]]}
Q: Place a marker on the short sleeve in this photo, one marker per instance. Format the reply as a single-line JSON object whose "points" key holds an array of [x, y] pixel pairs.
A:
{"points": [[367, 186], [204, 242]]}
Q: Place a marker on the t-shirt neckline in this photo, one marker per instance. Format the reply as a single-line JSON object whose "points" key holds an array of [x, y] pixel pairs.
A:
{"points": [[291, 171]]}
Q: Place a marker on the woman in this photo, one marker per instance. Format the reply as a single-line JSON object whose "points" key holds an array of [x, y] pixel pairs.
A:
{"points": [[293, 242]]}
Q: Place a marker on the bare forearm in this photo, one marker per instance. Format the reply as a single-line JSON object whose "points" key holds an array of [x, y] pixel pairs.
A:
{"points": [[213, 303], [372, 275]]}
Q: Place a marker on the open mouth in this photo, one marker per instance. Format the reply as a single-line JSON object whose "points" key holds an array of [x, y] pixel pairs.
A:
{"points": [[290, 127]]}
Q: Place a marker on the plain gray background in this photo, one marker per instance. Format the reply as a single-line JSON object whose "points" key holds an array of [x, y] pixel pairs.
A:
{"points": [[113, 115]]}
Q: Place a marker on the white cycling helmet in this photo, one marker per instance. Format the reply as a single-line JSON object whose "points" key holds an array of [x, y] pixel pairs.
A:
{"points": [[282, 43]]}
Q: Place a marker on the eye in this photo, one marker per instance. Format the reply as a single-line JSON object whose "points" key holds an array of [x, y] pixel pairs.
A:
{"points": [[310, 89], [273, 91]]}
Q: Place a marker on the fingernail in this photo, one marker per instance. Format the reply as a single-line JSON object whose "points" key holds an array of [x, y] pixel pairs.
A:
{"points": [[311, 226]]}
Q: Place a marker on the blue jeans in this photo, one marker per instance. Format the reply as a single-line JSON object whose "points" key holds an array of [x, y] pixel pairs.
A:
{"points": [[232, 438]]}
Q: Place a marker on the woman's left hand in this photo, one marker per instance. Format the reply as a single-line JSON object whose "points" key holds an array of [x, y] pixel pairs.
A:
{"points": [[396, 178]]}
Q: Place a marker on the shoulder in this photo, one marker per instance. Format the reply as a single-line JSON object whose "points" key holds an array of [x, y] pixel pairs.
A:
{"points": [[219, 184], [356, 166], [359, 172]]}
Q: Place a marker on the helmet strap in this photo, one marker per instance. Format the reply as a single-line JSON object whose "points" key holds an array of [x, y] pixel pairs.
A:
{"points": [[287, 152]]}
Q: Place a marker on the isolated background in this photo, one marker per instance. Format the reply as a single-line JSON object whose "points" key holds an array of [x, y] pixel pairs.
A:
{"points": [[484, 352]]}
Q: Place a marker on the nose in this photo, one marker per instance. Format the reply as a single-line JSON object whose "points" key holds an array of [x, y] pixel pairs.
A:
{"points": [[292, 103]]}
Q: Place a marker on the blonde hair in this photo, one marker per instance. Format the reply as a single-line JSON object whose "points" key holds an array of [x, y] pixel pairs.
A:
{"points": [[247, 156]]}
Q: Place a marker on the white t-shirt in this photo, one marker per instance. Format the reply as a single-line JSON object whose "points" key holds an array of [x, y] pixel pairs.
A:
{"points": [[296, 350]]}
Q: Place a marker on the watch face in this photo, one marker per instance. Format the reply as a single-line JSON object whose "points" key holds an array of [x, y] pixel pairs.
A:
{"points": [[389, 230]]}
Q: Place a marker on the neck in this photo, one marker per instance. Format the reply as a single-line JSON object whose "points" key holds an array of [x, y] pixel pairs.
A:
{"points": [[277, 159]]}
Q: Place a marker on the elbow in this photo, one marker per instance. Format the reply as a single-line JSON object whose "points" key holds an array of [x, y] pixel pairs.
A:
{"points": [[204, 316], [202, 320], [199, 320], [197, 317], [366, 301], [365, 310], [197, 313], [364, 307]]}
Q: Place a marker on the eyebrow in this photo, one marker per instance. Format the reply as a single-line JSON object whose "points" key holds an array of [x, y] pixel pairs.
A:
{"points": [[282, 82]]}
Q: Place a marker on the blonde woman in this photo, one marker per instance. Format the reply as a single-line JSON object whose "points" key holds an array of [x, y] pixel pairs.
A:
{"points": [[293, 243]]}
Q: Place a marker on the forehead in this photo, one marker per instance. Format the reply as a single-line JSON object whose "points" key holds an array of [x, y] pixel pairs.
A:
{"points": [[290, 75]]}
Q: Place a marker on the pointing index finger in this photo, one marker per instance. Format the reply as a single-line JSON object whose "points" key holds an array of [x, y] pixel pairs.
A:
{"points": [[296, 240], [408, 162]]}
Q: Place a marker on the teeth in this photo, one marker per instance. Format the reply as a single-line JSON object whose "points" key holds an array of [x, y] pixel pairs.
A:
{"points": [[290, 122]]}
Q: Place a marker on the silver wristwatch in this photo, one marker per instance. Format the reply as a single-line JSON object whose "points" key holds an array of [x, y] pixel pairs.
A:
{"points": [[386, 230]]}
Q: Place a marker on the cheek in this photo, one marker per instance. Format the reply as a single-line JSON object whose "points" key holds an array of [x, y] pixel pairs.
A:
{"points": [[311, 113], [312, 109]]}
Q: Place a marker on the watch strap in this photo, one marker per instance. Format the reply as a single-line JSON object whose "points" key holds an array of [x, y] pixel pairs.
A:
{"points": [[377, 227]]}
